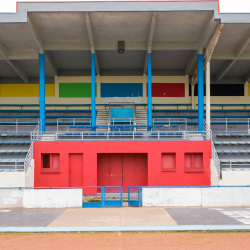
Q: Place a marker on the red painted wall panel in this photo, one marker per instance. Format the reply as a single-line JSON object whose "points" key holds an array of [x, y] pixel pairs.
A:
{"points": [[168, 90], [75, 170], [153, 149]]}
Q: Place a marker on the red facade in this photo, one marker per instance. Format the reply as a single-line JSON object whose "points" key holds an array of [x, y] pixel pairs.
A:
{"points": [[123, 163]]}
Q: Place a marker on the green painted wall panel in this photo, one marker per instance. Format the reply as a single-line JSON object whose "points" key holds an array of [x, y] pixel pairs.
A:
{"points": [[75, 90]]}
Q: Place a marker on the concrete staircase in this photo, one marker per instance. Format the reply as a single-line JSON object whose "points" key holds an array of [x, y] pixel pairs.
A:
{"points": [[102, 118], [141, 118]]}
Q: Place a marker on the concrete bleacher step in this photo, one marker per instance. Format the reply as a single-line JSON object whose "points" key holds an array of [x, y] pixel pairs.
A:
{"points": [[102, 118], [141, 117]]}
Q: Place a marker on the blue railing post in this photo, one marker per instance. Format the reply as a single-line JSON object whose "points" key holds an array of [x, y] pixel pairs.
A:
{"points": [[200, 91], [93, 113], [42, 90], [149, 92]]}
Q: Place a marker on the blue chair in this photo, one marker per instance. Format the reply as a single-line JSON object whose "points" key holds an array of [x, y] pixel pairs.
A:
{"points": [[143, 126], [68, 133], [104, 126], [72, 126], [139, 133], [92, 133], [154, 133], [109, 133], [135, 126], [112, 126], [178, 133], [158, 126], [119, 126], [162, 133], [84, 133], [124, 133], [97, 126], [170, 133], [88, 126], [174, 126], [127, 126], [76, 133], [130, 133], [100, 133], [117, 133], [80, 126]]}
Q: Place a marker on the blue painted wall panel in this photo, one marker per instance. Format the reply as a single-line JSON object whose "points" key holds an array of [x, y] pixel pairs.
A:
{"points": [[121, 89], [121, 113]]}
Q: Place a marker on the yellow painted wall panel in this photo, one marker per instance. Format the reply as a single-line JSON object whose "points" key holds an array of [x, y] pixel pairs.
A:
{"points": [[248, 89], [25, 90]]}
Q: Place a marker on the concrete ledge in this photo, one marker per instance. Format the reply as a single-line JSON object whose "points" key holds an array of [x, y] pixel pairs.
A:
{"points": [[52, 198], [171, 197], [124, 229], [225, 197], [11, 198]]}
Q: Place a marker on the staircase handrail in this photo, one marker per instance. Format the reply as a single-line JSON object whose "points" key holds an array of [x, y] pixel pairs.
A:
{"points": [[215, 156]]}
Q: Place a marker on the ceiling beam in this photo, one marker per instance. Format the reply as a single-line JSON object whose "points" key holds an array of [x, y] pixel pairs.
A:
{"points": [[238, 53], [201, 44], [150, 40], [91, 41], [13, 64], [60, 46], [213, 42], [40, 44]]}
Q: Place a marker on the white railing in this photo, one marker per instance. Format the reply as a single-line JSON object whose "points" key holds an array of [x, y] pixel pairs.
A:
{"points": [[167, 122], [230, 124], [63, 124], [18, 125], [28, 158], [236, 166], [215, 156], [123, 135], [115, 120], [36, 131]]}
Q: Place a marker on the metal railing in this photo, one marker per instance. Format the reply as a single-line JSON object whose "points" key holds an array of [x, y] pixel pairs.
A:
{"points": [[18, 125], [230, 124], [112, 121], [28, 158], [215, 156], [167, 122], [124, 135], [236, 166], [63, 124]]}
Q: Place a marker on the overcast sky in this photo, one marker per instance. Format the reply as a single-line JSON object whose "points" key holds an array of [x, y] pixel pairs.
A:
{"points": [[240, 6]]}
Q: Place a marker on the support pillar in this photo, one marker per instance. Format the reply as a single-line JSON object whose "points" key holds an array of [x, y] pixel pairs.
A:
{"points": [[200, 91], [192, 94], [93, 94], [42, 91], [149, 92], [208, 115]]}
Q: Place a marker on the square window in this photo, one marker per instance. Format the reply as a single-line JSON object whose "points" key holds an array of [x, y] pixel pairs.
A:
{"points": [[51, 161], [168, 162], [194, 162]]}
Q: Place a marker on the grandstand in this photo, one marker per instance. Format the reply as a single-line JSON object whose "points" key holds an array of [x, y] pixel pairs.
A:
{"points": [[153, 97]]}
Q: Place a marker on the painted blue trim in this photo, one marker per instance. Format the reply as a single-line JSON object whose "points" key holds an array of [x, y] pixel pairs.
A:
{"points": [[149, 92], [42, 90], [200, 91], [119, 229], [93, 112], [121, 89]]}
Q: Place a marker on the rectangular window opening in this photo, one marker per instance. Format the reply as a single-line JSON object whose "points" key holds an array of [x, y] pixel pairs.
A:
{"points": [[51, 161], [168, 162], [194, 162]]}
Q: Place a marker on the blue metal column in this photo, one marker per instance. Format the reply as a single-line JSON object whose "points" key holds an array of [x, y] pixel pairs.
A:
{"points": [[200, 91], [149, 92], [42, 90], [93, 123]]}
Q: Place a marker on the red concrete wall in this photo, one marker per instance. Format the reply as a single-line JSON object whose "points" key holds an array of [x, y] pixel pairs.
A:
{"points": [[167, 90], [154, 149]]}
